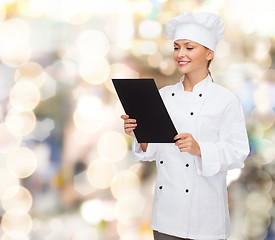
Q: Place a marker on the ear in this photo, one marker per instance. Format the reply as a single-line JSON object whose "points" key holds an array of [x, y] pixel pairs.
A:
{"points": [[210, 54]]}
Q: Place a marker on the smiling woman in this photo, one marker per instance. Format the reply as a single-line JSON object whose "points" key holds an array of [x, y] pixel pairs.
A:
{"points": [[190, 198], [192, 57]]}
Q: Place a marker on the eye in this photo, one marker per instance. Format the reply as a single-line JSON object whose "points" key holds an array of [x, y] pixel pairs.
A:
{"points": [[176, 48], [189, 48]]}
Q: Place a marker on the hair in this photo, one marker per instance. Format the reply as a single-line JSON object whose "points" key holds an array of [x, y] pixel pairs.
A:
{"points": [[208, 65]]}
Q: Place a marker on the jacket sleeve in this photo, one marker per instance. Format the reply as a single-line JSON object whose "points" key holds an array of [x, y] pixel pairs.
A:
{"points": [[139, 155], [232, 147]]}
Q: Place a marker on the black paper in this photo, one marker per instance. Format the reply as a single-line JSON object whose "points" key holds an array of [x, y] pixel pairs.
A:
{"points": [[141, 100]]}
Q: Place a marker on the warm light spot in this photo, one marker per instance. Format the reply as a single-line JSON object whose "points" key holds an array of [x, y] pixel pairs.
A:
{"points": [[150, 29], [7, 180], [24, 95], [20, 123], [167, 67], [13, 236], [92, 211], [16, 197], [142, 7], [259, 201], [8, 141], [30, 71], [86, 233], [112, 146], [125, 184], [128, 210], [255, 224], [22, 162], [267, 148], [100, 173], [31, 8], [91, 43], [88, 125], [89, 107], [14, 47], [154, 60], [119, 70], [2, 13], [94, 69], [16, 55], [17, 221]]}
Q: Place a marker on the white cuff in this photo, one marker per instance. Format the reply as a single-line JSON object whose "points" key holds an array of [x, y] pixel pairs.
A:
{"points": [[208, 164], [139, 155]]}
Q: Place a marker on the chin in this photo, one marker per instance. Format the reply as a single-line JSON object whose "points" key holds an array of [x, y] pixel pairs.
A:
{"points": [[183, 71]]}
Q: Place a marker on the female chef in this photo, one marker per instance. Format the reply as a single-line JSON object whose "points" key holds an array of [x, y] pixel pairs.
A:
{"points": [[190, 198]]}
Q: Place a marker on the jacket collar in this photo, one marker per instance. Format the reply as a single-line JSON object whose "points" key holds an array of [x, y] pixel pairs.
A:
{"points": [[199, 87]]}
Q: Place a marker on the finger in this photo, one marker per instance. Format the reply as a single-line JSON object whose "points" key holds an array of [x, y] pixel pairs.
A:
{"points": [[130, 125], [124, 117], [181, 136], [185, 145], [129, 130], [131, 121], [184, 149], [178, 142]]}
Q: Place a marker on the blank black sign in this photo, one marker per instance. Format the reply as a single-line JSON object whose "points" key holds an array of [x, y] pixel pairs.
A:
{"points": [[141, 100]]}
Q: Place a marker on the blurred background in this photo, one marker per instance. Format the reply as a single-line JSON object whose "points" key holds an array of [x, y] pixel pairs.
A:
{"points": [[65, 163]]}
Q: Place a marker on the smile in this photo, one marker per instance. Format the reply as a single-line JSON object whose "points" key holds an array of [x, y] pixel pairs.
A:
{"points": [[183, 63]]}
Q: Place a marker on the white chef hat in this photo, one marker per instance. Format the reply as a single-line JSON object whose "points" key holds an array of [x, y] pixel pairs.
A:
{"points": [[204, 28]]}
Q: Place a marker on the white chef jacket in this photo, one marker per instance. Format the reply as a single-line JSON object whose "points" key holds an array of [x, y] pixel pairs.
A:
{"points": [[190, 198]]}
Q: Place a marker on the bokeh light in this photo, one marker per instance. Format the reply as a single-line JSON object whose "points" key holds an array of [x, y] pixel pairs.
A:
{"points": [[13, 236], [12, 51], [94, 70], [20, 123], [31, 71], [24, 96], [125, 184], [89, 115], [17, 221], [100, 173], [112, 146], [7, 179], [92, 42], [65, 160], [22, 162], [129, 209], [8, 141], [16, 197], [150, 29], [92, 211]]}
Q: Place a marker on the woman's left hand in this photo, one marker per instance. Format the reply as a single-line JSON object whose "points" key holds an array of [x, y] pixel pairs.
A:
{"points": [[186, 143]]}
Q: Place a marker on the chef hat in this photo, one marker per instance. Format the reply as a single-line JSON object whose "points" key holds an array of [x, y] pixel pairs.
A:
{"points": [[204, 28]]}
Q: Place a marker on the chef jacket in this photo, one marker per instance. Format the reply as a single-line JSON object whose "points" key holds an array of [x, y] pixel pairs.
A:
{"points": [[190, 197]]}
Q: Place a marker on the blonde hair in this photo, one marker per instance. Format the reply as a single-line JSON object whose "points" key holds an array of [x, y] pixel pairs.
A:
{"points": [[208, 65]]}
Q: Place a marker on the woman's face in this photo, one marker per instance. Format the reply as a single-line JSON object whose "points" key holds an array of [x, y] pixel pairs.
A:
{"points": [[191, 56]]}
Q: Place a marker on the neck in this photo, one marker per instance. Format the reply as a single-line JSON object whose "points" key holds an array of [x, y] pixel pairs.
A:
{"points": [[192, 78]]}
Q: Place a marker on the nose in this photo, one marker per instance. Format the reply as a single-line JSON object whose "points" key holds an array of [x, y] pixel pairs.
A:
{"points": [[181, 53]]}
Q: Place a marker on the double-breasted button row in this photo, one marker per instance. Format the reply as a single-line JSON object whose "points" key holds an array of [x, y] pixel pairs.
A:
{"points": [[187, 190], [173, 94]]}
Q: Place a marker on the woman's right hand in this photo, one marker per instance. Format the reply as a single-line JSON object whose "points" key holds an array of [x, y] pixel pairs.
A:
{"points": [[129, 125]]}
